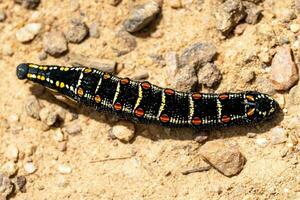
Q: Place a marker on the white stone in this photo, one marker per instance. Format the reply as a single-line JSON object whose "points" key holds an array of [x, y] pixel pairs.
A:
{"points": [[12, 152], [9, 168], [28, 32], [64, 169], [262, 142], [29, 167], [124, 131]]}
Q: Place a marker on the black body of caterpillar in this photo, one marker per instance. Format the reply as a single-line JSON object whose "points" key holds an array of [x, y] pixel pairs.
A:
{"points": [[146, 103]]}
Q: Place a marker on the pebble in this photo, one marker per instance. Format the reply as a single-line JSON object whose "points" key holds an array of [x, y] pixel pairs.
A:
{"points": [[172, 63], [42, 55], [12, 152], [77, 31], [62, 146], [29, 167], [7, 50], [9, 169], [294, 96], [185, 79], [253, 12], [6, 187], [262, 142], [251, 135], [228, 15], [94, 30], [209, 75], [28, 4], [58, 136], [124, 131], [142, 75], [101, 64], [123, 43], [278, 136], [284, 72], [64, 169], [175, 4], [13, 118], [28, 32], [72, 128], [20, 182], [114, 2], [141, 16], [30, 149], [198, 54], [295, 27], [48, 116], [228, 160], [33, 107], [55, 43], [2, 16]]}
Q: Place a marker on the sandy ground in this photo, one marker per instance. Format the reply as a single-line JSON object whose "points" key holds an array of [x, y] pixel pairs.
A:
{"points": [[151, 165]]}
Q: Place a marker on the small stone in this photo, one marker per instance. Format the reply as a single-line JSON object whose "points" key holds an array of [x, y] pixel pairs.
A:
{"points": [[175, 4], [285, 15], [2, 16], [6, 187], [28, 32], [278, 136], [228, 160], [58, 136], [114, 2], [201, 138], [12, 152], [20, 183], [284, 72], [142, 75], [229, 14], [123, 43], [141, 16], [251, 135], [55, 43], [185, 79], [29, 167], [94, 30], [197, 55], [209, 75], [33, 107], [13, 118], [62, 146], [253, 12], [240, 29], [261, 142], [101, 64], [123, 131], [28, 4], [295, 27], [9, 169], [248, 76], [29, 149], [172, 63], [48, 116], [64, 169], [7, 50], [42, 56], [77, 31], [72, 128]]}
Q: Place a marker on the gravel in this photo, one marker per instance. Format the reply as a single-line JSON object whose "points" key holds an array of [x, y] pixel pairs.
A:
{"points": [[123, 43], [262, 142], [9, 168], [64, 169], [278, 136], [55, 43], [28, 4], [30, 168], [94, 30], [228, 15], [198, 54], [141, 16], [72, 129], [228, 160], [28, 32], [209, 75], [12, 152], [20, 183], [77, 31], [6, 187], [253, 12], [284, 72], [185, 79], [123, 131], [32, 107], [2, 16], [48, 116]]}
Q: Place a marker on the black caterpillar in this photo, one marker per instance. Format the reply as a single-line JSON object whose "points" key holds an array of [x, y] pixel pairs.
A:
{"points": [[146, 103]]}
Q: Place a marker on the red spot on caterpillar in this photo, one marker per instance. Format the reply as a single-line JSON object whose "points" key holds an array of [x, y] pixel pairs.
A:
{"points": [[223, 96], [225, 118], [118, 106], [164, 118], [139, 112], [124, 81], [196, 121], [196, 96], [169, 91], [146, 85]]}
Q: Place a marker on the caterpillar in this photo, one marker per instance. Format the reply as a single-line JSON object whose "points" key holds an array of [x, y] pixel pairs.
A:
{"points": [[144, 102]]}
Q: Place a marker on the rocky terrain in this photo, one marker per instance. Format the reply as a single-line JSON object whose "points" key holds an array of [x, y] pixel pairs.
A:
{"points": [[53, 149]]}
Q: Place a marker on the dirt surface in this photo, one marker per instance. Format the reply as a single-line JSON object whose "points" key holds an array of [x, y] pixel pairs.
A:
{"points": [[85, 161]]}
